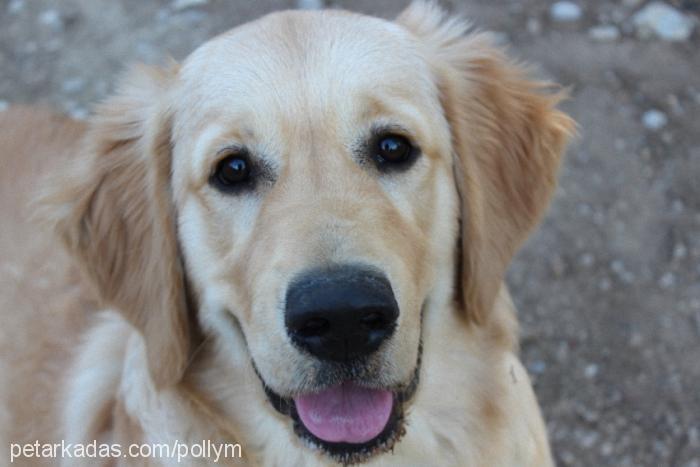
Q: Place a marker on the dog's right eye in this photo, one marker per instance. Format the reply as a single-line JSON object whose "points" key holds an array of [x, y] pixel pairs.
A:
{"points": [[232, 171]]}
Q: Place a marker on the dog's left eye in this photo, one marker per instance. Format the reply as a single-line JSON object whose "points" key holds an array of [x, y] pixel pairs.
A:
{"points": [[232, 171], [392, 149]]}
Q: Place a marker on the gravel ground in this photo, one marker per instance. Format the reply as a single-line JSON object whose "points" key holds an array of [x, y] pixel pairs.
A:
{"points": [[608, 289]]}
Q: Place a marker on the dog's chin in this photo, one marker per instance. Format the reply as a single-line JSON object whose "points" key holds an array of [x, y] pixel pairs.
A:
{"points": [[350, 421]]}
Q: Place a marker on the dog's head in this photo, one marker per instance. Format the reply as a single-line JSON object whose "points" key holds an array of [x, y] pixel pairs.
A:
{"points": [[317, 181]]}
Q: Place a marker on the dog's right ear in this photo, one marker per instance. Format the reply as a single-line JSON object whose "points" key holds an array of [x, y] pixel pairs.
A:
{"points": [[114, 213], [508, 138]]}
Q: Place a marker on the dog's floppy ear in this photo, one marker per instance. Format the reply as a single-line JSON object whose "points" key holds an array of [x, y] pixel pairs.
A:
{"points": [[115, 215], [508, 138]]}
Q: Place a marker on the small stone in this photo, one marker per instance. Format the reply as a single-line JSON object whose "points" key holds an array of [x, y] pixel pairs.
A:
{"points": [[178, 5], [537, 367], [606, 449], [533, 26], [588, 439], [598, 217], [15, 6], [694, 437], [674, 104], [558, 266], [680, 251], [51, 19], [607, 33], [79, 113], [617, 266], [636, 339], [591, 371], [667, 281], [654, 119], [310, 4], [4, 105], [695, 94], [565, 12], [604, 284], [663, 21], [586, 260], [677, 206], [73, 85], [584, 209], [500, 38]]}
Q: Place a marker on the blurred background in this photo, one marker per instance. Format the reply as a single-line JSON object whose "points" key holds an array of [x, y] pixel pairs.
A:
{"points": [[608, 289]]}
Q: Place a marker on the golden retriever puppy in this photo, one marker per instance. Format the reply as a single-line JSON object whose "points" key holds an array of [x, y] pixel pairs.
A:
{"points": [[293, 242]]}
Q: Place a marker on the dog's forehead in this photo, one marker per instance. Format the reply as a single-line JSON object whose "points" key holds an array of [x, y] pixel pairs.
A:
{"points": [[297, 64]]}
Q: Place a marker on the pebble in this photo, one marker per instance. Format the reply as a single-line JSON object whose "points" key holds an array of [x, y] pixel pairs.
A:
{"points": [[51, 19], [586, 260], [591, 371], [677, 206], [680, 251], [4, 105], [675, 104], [15, 6], [500, 38], [565, 12], [310, 4], [73, 85], [537, 367], [604, 33], [587, 439], [606, 449], [178, 5], [557, 265], [533, 26], [667, 281], [654, 119], [621, 271], [663, 21]]}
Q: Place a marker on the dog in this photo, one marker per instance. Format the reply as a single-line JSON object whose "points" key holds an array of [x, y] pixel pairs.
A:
{"points": [[294, 241]]}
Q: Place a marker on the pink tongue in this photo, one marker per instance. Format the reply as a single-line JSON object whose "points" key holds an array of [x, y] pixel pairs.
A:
{"points": [[346, 413]]}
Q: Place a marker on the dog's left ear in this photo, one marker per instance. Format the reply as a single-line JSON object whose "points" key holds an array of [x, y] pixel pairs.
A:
{"points": [[508, 139], [114, 213]]}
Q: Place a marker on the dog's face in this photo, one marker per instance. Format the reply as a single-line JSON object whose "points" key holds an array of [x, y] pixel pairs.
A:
{"points": [[315, 200], [320, 181]]}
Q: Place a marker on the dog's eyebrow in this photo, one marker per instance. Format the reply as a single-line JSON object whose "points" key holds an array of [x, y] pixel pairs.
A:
{"points": [[379, 128]]}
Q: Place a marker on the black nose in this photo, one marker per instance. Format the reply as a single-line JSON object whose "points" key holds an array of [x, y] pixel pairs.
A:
{"points": [[340, 313]]}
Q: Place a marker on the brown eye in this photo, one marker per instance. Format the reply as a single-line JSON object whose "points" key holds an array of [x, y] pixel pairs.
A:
{"points": [[232, 170], [393, 149]]}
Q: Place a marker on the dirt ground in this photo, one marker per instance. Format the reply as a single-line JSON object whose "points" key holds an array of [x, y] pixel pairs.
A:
{"points": [[608, 289]]}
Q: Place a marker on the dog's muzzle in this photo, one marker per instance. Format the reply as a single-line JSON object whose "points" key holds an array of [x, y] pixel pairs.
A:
{"points": [[342, 314]]}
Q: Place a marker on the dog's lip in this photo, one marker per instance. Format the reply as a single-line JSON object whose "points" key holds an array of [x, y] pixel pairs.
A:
{"points": [[344, 452], [350, 453]]}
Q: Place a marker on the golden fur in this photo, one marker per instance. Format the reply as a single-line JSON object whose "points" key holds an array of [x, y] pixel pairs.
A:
{"points": [[178, 287]]}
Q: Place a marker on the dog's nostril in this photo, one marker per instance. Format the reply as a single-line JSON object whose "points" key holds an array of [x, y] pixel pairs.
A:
{"points": [[314, 327], [374, 321]]}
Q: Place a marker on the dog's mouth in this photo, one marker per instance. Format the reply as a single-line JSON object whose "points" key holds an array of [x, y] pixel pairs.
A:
{"points": [[349, 421]]}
